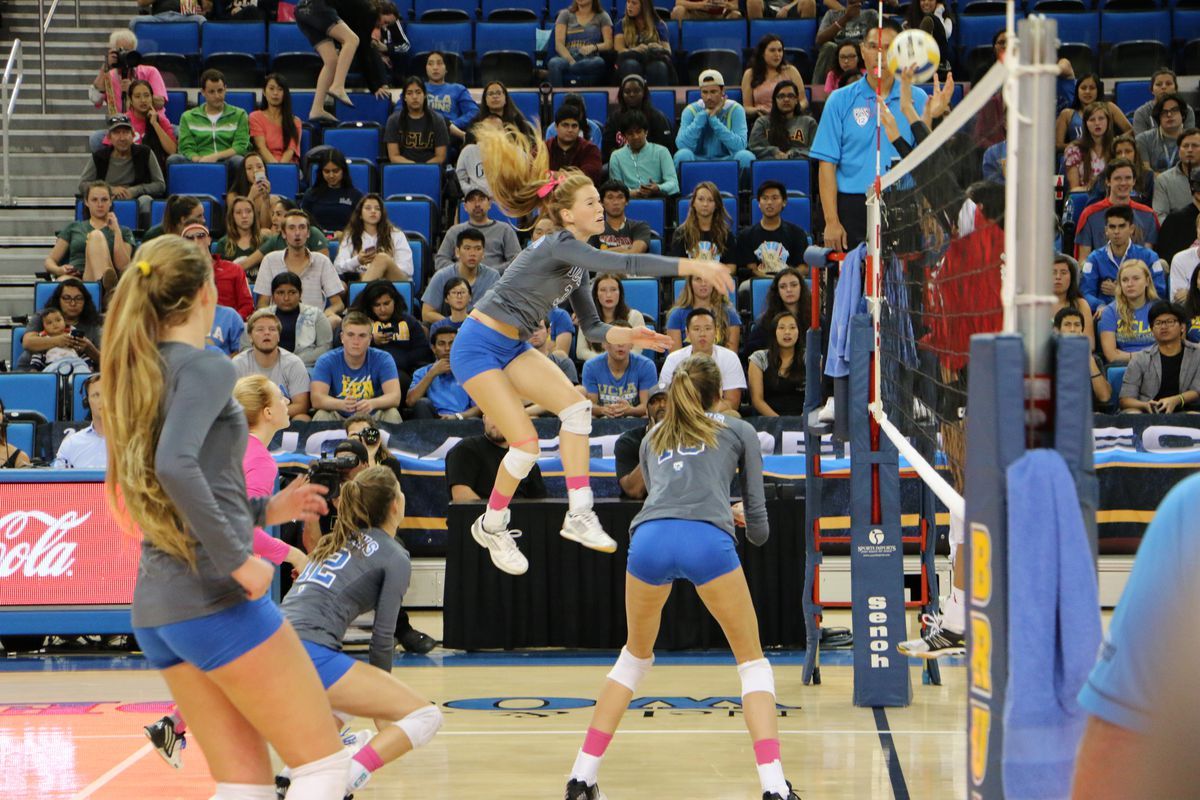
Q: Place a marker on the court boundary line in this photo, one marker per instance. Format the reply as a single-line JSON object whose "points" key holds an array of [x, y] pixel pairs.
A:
{"points": [[890, 755], [112, 773]]}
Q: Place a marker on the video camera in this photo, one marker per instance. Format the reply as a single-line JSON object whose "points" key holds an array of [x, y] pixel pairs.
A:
{"points": [[332, 469]]}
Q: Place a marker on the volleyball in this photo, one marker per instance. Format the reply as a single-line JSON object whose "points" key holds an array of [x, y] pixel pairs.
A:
{"points": [[914, 48]]}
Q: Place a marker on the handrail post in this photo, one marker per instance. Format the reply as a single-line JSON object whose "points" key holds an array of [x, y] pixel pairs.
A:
{"points": [[76, 13], [42, 51], [8, 103]]}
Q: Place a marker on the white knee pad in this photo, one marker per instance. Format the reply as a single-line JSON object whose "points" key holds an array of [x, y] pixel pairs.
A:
{"points": [[421, 725], [757, 676], [629, 669], [577, 418], [322, 779], [243, 791], [518, 463]]}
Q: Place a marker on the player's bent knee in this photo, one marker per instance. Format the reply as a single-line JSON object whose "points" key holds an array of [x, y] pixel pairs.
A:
{"points": [[577, 418], [422, 725], [757, 676], [320, 779], [243, 791], [629, 669], [518, 462]]}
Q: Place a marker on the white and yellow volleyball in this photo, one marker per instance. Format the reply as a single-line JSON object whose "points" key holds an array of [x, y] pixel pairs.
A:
{"points": [[914, 48]]}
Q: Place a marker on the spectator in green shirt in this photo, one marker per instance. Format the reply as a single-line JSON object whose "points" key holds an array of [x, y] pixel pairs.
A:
{"points": [[93, 249], [215, 131]]}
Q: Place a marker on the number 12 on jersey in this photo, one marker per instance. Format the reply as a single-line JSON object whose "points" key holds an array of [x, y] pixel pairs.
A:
{"points": [[325, 572]]}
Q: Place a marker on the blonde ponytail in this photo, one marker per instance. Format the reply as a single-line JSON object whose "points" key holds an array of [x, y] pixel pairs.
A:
{"points": [[253, 392], [518, 166], [158, 289], [695, 388], [365, 502]]}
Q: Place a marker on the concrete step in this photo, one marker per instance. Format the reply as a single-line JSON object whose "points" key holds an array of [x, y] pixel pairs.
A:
{"points": [[49, 185], [34, 225], [55, 163], [23, 262], [64, 18], [74, 143]]}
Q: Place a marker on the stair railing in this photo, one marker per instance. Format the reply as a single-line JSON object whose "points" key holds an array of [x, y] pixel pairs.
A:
{"points": [[10, 89], [44, 19]]}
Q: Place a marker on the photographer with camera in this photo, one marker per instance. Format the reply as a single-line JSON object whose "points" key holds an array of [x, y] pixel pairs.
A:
{"points": [[122, 66]]}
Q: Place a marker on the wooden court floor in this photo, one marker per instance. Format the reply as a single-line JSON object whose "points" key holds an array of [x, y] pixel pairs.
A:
{"points": [[513, 725]]}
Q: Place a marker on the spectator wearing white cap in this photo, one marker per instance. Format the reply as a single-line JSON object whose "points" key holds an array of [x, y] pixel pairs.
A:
{"points": [[714, 127]]}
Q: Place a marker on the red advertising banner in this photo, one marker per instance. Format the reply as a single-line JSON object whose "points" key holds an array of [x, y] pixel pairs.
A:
{"points": [[60, 546]]}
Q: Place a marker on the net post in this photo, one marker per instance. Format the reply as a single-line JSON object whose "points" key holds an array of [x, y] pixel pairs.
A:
{"points": [[873, 288], [881, 675]]}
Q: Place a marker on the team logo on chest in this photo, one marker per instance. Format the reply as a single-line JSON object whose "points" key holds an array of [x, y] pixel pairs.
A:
{"points": [[862, 115]]}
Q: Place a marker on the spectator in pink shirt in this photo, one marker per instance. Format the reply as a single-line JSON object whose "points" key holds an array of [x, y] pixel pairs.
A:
{"points": [[275, 143], [120, 68], [151, 126], [266, 414]]}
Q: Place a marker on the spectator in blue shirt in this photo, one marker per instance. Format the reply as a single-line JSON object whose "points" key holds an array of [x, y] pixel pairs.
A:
{"points": [[226, 334], [1098, 283], [713, 128], [355, 378], [468, 265], [845, 142], [435, 392], [452, 100], [1124, 325], [617, 381]]}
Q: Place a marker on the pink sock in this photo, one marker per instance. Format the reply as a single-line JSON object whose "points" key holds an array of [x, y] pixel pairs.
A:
{"points": [[177, 720], [596, 742], [371, 760], [577, 482], [766, 751], [499, 502]]}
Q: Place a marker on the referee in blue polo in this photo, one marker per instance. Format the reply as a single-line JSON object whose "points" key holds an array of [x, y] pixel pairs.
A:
{"points": [[845, 142]]}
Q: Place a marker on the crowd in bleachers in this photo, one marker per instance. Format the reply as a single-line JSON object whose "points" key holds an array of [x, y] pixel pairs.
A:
{"points": [[378, 214]]}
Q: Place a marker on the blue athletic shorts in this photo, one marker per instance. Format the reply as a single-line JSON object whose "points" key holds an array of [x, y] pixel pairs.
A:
{"points": [[331, 664], [662, 550], [212, 641], [478, 348]]}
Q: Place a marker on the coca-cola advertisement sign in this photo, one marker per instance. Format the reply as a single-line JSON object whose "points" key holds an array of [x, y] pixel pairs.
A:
{"points": [[60, 546]]}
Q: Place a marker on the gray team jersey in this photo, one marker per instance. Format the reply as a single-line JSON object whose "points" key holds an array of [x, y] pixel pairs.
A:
{"points": [[694, 484], [554, 268], [199, 463], [371, 575]]}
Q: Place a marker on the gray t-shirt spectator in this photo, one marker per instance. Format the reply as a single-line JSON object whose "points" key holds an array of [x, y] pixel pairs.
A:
{"points": [[1157, 150], [288, 373], [577, 35], [500, 245], [319, 281], [854, 29], [485, 278], [121, 172], [1143, 119], [423, 135]]}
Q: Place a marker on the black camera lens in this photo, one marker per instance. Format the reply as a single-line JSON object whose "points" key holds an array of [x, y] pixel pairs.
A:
{"points": [[369, 435]]}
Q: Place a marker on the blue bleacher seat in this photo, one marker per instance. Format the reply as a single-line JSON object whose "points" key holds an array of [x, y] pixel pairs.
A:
{"points": [[714, 34], [404, 287], [1125, 26], [974, 31], [595, 103], [656, 246], [797, 211], [794, 173], [1082, 27], [1130, 95], [176, 105], [284, 179], [555, 6], [158, 207], [289, 53], [242, 99], [1185, 24], [30, 391], [529, 104], [126, 211], [18, 332], [20, 435], [413, 179], [447, 10], [455, 37], [510, 11], [78, 412], [412, 216], [1077, 201], [731, 93], [355, 142], [651, 210], [182, 38], [285, 37], [197, 179], [507, 52], [43, 290], [664, 101], [367, 108], [723, 173], [235, 48], [642, 294], [758, 295], [1116, 377], [333, 249], [422, 254], [731, 208], [796, 33]]}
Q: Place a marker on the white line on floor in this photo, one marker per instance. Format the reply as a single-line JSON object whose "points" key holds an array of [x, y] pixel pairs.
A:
{"points": [[104, 779]]}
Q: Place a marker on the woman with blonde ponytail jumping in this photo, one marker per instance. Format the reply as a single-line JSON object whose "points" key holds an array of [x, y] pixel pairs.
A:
{"points": [[492, 357], [201, 615], [355, 568], [686, 530]]}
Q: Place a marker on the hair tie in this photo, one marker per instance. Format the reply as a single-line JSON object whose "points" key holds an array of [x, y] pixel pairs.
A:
{"points": [[144, 266], [549, 186]]}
